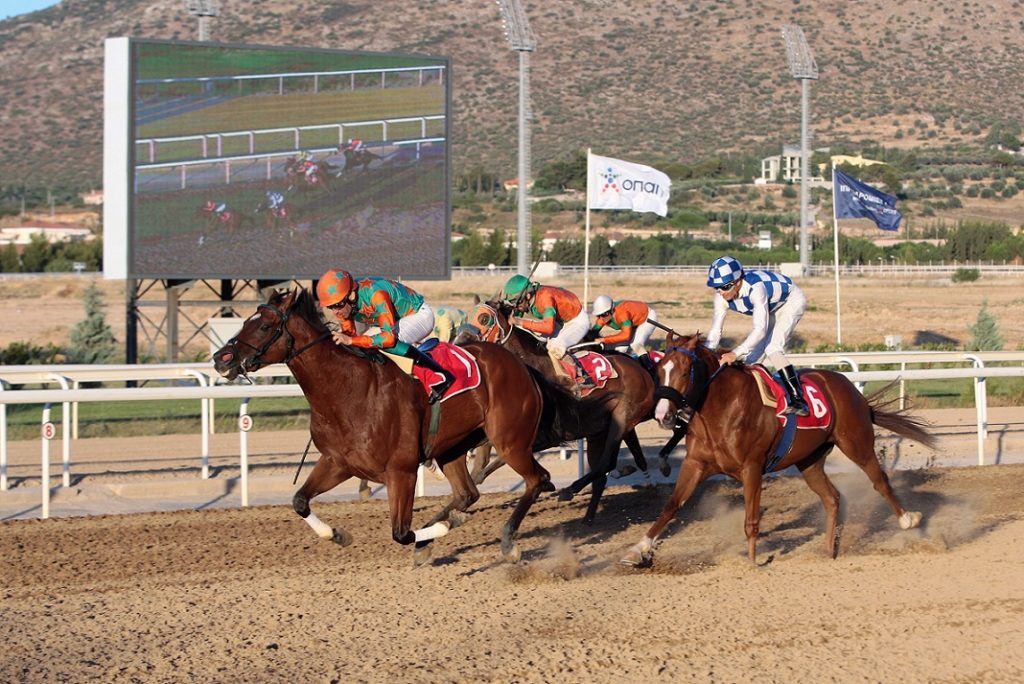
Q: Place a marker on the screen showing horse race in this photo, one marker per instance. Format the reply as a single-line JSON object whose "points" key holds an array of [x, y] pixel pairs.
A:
{"points": [[274, 163]]}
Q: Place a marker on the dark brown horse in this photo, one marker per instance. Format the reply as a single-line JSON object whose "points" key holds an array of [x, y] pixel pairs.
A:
{"points": [[371, 420], [355, 158], [627, 399], [221, 218], [734, 433], [283, 215]]}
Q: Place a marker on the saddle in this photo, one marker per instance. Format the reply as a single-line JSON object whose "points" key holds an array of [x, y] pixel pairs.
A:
{"points": [[773, 396], [455, 360], [588, 365]]}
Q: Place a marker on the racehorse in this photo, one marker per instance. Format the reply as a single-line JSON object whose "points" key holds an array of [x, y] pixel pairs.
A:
{"points": [[285, 214], [733, 432], [354, 158], [227, 220], [309, 175], [371, 420], [629, 398]]}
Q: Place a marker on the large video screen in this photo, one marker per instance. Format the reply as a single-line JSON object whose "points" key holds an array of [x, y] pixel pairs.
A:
{"points": [[264, 162]]}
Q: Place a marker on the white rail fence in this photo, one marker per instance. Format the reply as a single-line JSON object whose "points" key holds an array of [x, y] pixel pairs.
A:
{"points": [[205, 391], [203, 140]]}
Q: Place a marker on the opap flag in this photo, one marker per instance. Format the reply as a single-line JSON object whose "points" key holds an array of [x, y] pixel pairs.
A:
{"points": [[617, 184], [858, 200]]}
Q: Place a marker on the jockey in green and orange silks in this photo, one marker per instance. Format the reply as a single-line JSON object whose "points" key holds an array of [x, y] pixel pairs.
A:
{"points": [[398, 315]]}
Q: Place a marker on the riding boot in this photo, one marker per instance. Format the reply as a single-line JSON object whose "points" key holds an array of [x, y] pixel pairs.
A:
{"points": [[585, 381], [794, 391], [645, 361], [424, 361]]}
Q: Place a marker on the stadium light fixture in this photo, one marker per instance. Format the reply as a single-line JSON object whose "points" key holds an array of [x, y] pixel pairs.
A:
{"points": [[204, 9], [803, 68], [520, 38]]}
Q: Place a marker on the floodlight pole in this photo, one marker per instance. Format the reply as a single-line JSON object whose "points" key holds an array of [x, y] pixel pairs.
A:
{"points": [[517, 30], [204, 9], [803, 68]]}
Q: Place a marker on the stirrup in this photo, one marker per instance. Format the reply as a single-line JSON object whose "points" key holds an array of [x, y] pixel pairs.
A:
{"points": [[797, 408]]}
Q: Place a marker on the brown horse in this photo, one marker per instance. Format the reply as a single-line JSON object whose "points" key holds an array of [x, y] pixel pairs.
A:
{"points": [[221, 218], [308, 175], [627, 399], [371, 420], [354, 158], [734, 433], [284, 215]]}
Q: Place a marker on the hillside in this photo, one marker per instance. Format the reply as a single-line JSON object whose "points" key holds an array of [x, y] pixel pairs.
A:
{"points": [[639, 79]]}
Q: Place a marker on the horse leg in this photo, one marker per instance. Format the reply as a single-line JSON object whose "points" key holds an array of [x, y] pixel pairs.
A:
{"points": [[595, 445], [364, 490], [633, 443], [491, 467], [860, 448], [752, 481], [813, 470], [519, 457], [464, 493], [401, 486], [691, 474], [326, 475], [608, 459], [670, 445]]}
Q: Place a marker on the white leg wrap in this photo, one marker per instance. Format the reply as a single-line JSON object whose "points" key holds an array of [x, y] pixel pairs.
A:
{"points": [[438, 529], [645, 545], [322, 529]]}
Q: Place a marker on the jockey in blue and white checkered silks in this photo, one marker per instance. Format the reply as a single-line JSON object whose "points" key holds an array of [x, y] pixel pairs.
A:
{"points": [[775, 303]]}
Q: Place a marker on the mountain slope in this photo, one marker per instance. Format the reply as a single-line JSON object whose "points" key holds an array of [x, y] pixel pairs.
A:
{"points": [[638, 79]]}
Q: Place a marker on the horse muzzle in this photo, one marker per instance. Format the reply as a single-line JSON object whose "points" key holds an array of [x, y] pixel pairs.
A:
{"points": [[228, 362]]}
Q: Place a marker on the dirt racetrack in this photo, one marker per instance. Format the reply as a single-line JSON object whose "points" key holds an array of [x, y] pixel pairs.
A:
{"points": [[252, 595]]}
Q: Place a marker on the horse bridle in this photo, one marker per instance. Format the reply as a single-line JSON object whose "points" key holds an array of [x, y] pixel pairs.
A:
{"points": [[486, 333], [282, 329], [674, 395]]}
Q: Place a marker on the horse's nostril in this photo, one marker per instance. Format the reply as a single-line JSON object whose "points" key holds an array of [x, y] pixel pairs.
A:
{"points": [[226, 356]]}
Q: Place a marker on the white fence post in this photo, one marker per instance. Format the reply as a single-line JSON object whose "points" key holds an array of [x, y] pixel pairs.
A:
{"points": [[44, 484], [244, 425]]}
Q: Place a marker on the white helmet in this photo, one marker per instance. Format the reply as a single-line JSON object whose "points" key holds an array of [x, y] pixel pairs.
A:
{"points": [[602, 305]]}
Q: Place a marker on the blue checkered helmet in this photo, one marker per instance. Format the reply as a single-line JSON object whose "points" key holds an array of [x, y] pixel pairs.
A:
{"points": [[723, 271]]}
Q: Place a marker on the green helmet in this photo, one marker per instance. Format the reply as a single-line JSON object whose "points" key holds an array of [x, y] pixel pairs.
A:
{"points": [[516, 286]]}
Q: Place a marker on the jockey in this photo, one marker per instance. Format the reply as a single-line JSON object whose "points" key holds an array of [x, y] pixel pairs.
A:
{"points": [[275, 200], [400, 314], [776, 305], [562, 319], [354, 145], [630, 319], [218, 208]]}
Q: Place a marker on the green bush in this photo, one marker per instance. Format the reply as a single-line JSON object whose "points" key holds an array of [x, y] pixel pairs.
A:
{"points": [[966, 275]]}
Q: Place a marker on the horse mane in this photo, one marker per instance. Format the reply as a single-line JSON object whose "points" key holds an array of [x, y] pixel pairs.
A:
{"points": [[304, 305]]}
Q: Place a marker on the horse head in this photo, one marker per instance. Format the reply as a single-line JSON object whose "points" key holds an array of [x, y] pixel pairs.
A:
{"points": [[486, 322], [682, 376], [269, 336]]}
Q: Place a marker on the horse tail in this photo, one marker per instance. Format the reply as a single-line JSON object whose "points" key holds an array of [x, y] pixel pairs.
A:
{"points": [[564, 417], [898, 421]]}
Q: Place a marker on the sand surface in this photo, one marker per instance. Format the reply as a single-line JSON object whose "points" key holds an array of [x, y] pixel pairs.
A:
{"points": [[230, 595]]}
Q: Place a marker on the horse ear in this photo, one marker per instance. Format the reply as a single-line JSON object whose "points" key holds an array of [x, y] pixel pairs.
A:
{"points": [[476, 299], [288, 298], [693, 341]]}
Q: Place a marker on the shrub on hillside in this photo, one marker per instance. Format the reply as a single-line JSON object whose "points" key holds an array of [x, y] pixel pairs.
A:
{"points": [[966, 275]]}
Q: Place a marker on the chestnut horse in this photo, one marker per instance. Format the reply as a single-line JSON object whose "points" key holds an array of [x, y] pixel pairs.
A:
{"points": [[371, 420], [734, 433], [627, 399]]}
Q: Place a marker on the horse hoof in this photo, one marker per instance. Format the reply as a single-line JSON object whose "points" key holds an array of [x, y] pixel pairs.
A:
{"points": [[420, 555], [910, 519], [547, 486], [457, 519], [565, 495], [341, 538], [513, 554], [364, 495], [664, 467], [637, 559]]}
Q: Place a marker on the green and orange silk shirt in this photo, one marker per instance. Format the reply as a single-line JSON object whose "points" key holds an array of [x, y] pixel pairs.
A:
{"points": [[627, 316], [382, 303], [551, 305]]}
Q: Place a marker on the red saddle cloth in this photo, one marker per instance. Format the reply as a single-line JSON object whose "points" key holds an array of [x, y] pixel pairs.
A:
{"points": [[595, 365], [456, 361], [821, 412]]}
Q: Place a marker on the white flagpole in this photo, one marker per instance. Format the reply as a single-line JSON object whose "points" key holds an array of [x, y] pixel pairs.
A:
{"points": [[586, 243], [835, 267]]}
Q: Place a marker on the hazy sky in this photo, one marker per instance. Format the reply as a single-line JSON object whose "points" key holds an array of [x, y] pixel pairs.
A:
{"points": [[10, 8]]}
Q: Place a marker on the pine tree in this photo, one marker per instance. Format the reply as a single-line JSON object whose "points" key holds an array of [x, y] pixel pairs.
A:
{"points": [[985, 331], [92, 340], [9, 260]]}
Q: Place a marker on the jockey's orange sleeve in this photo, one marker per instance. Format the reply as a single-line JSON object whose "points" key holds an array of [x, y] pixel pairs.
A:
{"points": [[626, 318], [381, 313], [552, 305]]}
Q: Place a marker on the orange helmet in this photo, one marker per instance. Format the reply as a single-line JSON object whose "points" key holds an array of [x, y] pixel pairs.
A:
{"points": [[334, 286]]}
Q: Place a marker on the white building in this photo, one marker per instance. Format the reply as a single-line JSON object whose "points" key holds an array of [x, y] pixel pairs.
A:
{"points": [[52, 232]]}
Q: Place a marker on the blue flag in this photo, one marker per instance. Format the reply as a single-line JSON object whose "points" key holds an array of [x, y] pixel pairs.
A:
{"points": [[858, 200]]}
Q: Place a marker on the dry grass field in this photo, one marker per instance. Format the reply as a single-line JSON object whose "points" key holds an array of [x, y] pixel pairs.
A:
{"points": [[44, 309]]}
